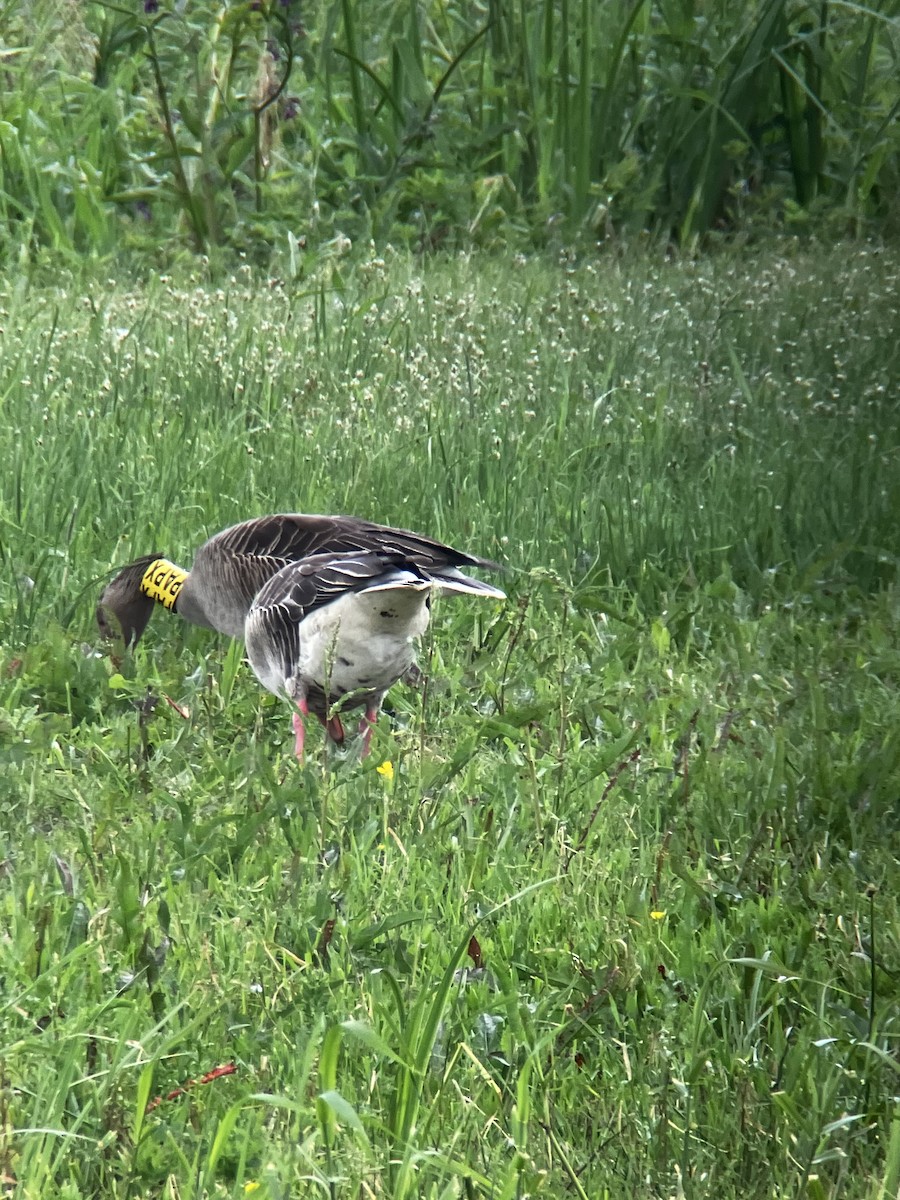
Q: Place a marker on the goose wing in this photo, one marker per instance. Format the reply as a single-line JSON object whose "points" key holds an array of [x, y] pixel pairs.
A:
{"points": [[244, 556], [285, 601], [302, 587]]}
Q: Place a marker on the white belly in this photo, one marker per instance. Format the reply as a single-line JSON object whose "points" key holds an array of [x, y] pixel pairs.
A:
{"points": [[363, 641]]}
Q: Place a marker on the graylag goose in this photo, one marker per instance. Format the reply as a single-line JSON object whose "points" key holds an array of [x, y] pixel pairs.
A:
{"points": [[232, 566], [337, 630]]}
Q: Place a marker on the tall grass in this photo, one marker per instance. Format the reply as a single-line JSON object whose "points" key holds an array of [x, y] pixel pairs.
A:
{"points": [[687, 408], [245, 124], [621, 917]]}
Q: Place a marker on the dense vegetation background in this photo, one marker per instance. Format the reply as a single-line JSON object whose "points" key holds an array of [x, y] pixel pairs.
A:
{"points": [[276, 125]]}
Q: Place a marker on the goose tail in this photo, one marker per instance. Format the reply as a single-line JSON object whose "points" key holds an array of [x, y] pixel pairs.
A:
{"points": [[451, 580]]}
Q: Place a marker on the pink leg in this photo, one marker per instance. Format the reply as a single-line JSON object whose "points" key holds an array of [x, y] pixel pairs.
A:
{"points": [[365, 728], [299, 728]]}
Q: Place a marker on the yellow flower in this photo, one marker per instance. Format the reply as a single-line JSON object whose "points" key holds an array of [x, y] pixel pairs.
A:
{"points": [[386, 770], [251, 1186], [657, 914]]}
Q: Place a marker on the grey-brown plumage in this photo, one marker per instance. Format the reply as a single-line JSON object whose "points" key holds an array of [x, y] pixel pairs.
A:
{"points": [[231, 567], [336, 631]]}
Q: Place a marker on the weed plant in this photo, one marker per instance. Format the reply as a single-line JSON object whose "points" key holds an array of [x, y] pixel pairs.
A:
{"points": [[611, 910]]}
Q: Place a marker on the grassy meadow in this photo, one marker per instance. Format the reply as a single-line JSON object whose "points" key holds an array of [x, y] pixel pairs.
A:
{"points": [[612, 908]]}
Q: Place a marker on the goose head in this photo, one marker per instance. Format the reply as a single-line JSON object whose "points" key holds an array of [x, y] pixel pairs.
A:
{"points": [[123, 610]]}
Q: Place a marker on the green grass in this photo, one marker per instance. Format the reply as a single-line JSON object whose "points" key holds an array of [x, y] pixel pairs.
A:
{"points": [[658, 787]]}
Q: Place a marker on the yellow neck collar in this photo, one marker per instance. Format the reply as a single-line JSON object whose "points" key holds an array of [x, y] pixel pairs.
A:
{"points": [[163, 581]]}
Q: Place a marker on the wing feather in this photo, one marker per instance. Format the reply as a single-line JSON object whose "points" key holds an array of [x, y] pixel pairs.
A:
{"points": [[273, 541], [300, 588]]}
